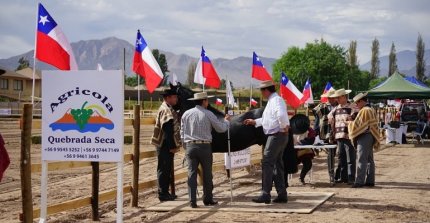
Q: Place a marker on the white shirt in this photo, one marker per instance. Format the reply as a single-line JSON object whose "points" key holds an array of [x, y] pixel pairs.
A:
{"points": [[275, 115]]}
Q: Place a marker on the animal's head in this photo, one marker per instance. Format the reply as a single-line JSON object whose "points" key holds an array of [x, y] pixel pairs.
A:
{"points": [[183, 95]]}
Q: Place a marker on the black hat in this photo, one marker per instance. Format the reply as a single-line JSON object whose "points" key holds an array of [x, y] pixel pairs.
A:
{"points": [[168, 92], [299, 123]]}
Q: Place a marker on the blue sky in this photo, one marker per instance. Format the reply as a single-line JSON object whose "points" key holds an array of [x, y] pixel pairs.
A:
{"points": [[227, 28]]}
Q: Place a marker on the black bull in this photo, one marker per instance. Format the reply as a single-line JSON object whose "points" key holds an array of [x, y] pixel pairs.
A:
{"points": [[241, 136]]}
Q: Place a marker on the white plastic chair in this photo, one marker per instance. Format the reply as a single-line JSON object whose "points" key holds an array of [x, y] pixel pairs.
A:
{"points": [[419, 134]]}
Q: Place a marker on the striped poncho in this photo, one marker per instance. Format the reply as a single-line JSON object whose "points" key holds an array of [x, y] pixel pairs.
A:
{"points": [[366, 120]]}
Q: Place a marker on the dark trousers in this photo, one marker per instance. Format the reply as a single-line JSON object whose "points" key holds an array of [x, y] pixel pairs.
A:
{"points": [[199, 154], [365, 163], [345, 171], [307, 165], [273, 165], [164, 170]]}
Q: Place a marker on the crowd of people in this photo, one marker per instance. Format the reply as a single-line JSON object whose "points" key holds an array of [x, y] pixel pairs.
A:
{"points": [[352, 126]]}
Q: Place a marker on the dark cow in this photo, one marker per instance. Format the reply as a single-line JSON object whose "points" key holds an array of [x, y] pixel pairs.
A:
{"points": [[241, 136]]}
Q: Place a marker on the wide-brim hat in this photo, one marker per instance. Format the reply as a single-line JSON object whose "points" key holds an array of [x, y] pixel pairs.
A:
{"points": [[359, 96], [299, 124], [200, 96], [328, 93], [266, 84], [339, 93], [168, 92]]}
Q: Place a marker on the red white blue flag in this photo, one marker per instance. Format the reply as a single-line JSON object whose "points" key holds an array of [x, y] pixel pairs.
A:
{"points": [[253, 102], [205, 72], [307, 93], [145, 64], [290, 92], [52, 46], [259, 72], [327, 88]]}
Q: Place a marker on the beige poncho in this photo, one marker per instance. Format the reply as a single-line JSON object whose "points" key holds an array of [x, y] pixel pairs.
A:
{"points": [[365, 120]]}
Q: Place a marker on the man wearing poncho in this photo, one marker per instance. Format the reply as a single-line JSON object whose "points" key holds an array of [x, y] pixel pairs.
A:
{"points": [[363, 132]]}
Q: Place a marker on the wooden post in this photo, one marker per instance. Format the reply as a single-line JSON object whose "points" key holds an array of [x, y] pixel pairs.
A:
{"points": [[95, 191], [136, 152], [25, 164]]}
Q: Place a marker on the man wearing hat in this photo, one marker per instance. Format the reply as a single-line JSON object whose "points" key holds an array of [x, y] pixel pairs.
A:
{"points": [[196, 127], [275, 125], [321, 112], [167, 141], [363, 131], [339, 117]]}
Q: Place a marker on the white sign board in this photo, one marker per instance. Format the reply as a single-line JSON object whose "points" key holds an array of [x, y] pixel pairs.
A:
{"points": [[82, 116], [239, 159], [5, 111]]}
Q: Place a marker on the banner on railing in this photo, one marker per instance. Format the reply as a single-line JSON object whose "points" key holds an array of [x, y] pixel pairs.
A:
{"points": [[82, 116]]}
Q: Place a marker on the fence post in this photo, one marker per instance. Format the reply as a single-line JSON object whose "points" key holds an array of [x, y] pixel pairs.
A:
{"points": [[95, 191], [136, 153], [25, 163]]}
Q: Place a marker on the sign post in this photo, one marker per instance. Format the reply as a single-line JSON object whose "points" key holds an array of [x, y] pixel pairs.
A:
{"points": [[82, 120]]}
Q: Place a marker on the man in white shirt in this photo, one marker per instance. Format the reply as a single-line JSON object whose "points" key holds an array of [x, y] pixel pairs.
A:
{"points": [[275, 125]]}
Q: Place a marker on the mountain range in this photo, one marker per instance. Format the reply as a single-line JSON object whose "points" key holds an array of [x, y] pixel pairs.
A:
{"points": [[109, 52]]}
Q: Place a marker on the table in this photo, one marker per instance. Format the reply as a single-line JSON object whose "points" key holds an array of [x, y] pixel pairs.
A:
{"points": [[331, 149], [395, 135]]}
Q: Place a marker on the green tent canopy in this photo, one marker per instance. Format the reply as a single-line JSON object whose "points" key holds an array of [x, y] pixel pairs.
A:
{"points": [[396, 87]]}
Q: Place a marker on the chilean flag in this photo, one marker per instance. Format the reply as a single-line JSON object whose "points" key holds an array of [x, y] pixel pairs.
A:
{"points": [[327, 88], [253, 102], [259, 72], [290, 92], [52, 46], [307, 98], [218, 101], [205, 72], [145, 64]]}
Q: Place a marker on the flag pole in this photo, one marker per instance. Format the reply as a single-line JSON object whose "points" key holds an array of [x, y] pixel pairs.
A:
{"points": [[228, 142], [138, 89], [34, 56], [250, 96]]}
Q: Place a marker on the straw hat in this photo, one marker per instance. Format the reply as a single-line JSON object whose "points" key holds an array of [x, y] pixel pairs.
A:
{"points": [[328, 93], [200, 96], [266, 84], [339, 93], [359, 96]]}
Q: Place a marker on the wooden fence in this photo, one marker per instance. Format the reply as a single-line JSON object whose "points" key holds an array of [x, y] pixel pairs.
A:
{"points": [[29, 213]]}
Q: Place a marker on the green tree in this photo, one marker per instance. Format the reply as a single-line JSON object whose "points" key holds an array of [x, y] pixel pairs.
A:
{"points": [[392, 65], [190, 74], [131, 80], [374, 82], [321, 62], [22, 63], [374, 70], [352, 54], [421, 64], [162, 61]]}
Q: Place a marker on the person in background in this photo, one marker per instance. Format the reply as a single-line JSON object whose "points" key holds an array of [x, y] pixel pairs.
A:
{"points": [[363, 132], [339, 117], [196, 127], [275, 125], [320, 112], [167, 141], [303, 135]]}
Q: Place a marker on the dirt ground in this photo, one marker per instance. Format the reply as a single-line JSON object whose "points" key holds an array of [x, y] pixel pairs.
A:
{"points": [[401, 194]]}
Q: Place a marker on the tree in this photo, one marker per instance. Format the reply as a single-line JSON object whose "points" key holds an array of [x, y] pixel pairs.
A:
{"points": [[352, 54], [421, 63], [190, 74], [321, 62], [22, 63], [392, 65], [374, 70], [161, 60], [131, 80]]}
